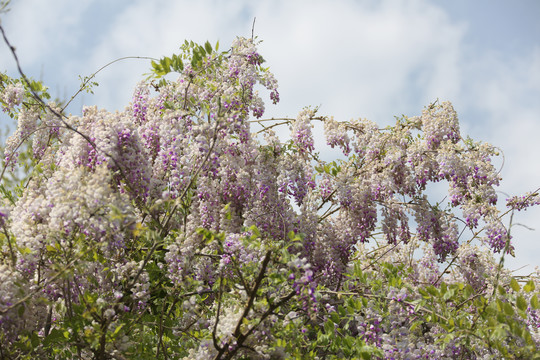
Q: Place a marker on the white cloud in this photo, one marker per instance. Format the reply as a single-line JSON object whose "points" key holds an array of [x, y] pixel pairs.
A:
{"points": [[41, 29], [357, 59]]}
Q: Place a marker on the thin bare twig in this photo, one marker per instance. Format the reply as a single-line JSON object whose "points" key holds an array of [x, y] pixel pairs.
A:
{"points": [[89, 78]]}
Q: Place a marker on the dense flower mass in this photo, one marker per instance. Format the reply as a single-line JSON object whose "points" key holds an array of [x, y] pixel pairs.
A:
{"points": [[12, 95], [172, 230], [524, 201]]}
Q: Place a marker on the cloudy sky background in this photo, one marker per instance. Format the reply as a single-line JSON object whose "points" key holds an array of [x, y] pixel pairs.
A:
{"points": [[369, 59]]}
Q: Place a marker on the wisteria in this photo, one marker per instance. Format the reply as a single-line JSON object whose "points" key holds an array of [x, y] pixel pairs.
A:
{"points": [[12, 95], [176, 229]]}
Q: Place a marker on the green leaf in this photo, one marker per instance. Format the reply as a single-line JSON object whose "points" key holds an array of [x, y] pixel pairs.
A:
{"points": [[450, 293], [529, 286], [118, 328], [514, 285], [200, 51], [449, 337], [534, 301], [56, 335], [521, 303], [424, 293], [166, 65], [508, 309], [195, 60], [516, 330], [329, 327], [492, 322], [432, 290], [34, 339], [498, 333], [208, 47], [291, 235], [443, 288], [499, 305], [177, 64]]}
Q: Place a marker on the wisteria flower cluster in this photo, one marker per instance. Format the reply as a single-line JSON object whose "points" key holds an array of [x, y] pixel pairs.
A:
{"points": [[173, 230]]}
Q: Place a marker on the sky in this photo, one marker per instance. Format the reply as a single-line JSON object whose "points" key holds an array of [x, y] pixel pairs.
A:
{"points": [[354, 59]]}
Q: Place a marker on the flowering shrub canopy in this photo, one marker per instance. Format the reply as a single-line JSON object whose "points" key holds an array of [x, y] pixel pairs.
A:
{"points": [[173, 230]]}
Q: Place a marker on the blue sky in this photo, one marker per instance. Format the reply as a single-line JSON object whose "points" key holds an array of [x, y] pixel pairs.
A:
{"points": [[369, 59]]}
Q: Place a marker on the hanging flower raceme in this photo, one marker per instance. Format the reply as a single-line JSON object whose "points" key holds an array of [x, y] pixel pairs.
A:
{"points": [[440, 123], [12, 96], [301, 132]]}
